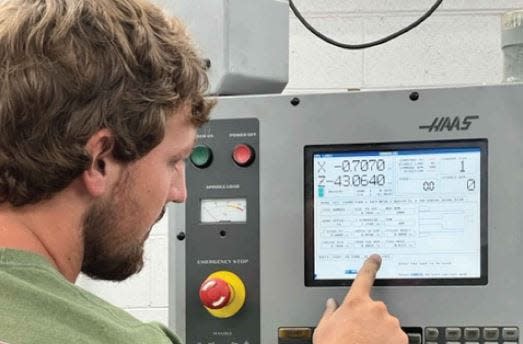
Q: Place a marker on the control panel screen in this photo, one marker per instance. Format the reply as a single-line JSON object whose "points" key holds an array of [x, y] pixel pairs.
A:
{"points": [[223, 210], [421, 206]]}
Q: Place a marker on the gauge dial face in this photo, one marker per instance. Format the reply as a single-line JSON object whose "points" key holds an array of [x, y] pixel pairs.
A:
{"points": [[229, 210]]}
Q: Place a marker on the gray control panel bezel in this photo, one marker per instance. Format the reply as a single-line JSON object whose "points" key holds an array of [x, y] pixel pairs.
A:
{"points": [[288, 123]]}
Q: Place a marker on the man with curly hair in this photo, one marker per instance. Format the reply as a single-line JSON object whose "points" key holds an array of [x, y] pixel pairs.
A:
{"points": [[100, 101]]}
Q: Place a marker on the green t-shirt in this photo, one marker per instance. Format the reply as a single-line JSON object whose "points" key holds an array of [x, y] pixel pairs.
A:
{"points": [[38, 305]]}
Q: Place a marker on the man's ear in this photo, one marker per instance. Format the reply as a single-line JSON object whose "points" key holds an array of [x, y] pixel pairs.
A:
{"points": [[98, 177]]}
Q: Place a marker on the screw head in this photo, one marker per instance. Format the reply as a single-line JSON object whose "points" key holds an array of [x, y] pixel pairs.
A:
{"points": [[180, 236], [295, 101], [414, 96], [206, 63]]}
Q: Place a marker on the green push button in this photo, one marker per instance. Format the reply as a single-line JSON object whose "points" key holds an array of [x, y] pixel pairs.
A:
{"points": [[201, 156]]}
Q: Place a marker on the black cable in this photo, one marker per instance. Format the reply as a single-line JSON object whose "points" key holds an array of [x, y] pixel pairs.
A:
{"points": [[363, 45]]}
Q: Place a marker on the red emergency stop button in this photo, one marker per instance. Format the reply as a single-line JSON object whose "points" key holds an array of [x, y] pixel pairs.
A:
{"points": [[215, 293], [243, 155], [223, 294]]}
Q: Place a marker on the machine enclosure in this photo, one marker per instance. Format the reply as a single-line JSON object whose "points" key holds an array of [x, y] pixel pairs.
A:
{"points": [[245, 43], [281, 126]]}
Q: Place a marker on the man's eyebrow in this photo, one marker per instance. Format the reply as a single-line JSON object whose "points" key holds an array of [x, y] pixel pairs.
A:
{"points": [[191, 147], [184, 154]]}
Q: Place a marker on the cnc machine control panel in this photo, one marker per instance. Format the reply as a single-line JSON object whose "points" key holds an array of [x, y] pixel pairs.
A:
{"points": [[288, 195], [222, 235]]}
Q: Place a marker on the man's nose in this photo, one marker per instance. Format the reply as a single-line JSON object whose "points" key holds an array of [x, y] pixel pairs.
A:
{"points": [[179, 188]]}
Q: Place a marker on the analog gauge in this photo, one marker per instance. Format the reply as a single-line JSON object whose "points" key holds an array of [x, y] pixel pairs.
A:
{"points": [[224, 210]]}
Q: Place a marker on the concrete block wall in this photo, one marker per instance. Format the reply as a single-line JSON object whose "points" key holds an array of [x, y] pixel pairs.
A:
{"points": [[459, 45]]}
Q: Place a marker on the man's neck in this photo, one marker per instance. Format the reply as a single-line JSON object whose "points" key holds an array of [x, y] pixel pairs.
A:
{"points": [[50, 228]]}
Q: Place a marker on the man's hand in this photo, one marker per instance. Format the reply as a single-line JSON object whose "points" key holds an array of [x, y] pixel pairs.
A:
{"points": [[359, 319]]}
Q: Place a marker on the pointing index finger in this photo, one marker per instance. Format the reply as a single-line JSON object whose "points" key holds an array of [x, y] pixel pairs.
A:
{"points": [[362, 285]]}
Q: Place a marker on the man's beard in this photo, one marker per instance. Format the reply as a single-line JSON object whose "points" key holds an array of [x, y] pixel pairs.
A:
{"points": [[111, 249]]}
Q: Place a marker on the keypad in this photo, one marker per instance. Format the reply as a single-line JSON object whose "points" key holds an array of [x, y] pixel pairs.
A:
{"points": [[471, 335], [427, 335]]}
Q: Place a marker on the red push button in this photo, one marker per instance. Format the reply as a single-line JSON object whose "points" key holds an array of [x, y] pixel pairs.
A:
{"points": [[243, 155], [215, 293]]}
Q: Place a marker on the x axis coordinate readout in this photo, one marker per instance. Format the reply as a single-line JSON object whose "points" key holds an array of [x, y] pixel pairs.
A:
{"points": [[418, 208]]}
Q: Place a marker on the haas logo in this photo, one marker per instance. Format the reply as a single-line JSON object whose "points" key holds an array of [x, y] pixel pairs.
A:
{"points": [[449, 123]]}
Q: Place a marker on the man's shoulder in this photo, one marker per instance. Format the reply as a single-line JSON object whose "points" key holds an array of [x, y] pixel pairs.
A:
{"points": [[39, 306]]}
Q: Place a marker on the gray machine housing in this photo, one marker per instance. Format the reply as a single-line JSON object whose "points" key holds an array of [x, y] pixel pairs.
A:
{"points": [[245, 43], [288, 123]]}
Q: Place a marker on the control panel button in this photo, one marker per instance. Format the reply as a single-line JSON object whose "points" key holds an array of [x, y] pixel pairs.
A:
{"points": [[243, 155], [431, 333], [510, 333], [472, 333], [490, 333], [414, 338], [223, 294], [201, 156], [295, 333], [215, 293], [453, 333]]}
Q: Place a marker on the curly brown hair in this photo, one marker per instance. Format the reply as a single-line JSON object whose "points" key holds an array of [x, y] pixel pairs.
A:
{"points": [[69, 68]]}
